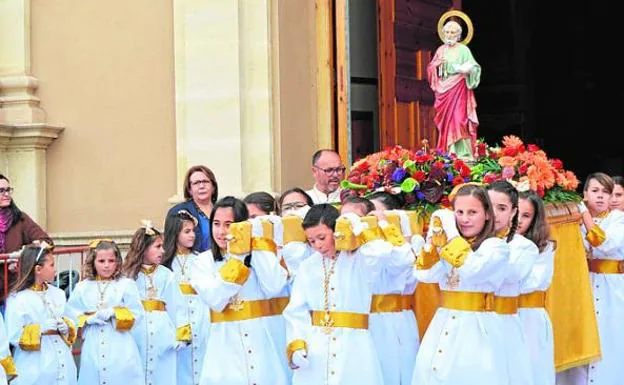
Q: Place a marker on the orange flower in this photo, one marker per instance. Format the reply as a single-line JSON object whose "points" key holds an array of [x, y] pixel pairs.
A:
{"points": [[507, 161], [512, 141]]}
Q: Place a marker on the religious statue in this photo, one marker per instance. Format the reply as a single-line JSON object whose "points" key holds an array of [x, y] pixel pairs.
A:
{"points": [[453, 74]]}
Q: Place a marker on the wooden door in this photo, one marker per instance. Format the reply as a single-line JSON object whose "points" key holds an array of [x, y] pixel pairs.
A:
{"points": [[407, 37]]}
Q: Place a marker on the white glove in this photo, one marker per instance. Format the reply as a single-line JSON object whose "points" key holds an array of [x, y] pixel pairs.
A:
{"points": [[181, 345], [356, 223], [61, 326], [417, 243], [406, 229], [447, 217], [256, 227], [48, 324], [93, 320], [105, 314], [581, 207], [300, 359], [278, 229], [463, 68]]}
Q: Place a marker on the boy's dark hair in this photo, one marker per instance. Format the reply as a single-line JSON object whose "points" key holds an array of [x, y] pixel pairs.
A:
{"points": [[323, 213]]}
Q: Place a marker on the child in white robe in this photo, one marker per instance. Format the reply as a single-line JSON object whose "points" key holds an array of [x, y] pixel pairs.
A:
{"points": [[464, 343], [535, 320], [156, 334], [42, 337], [7, 365], [106, 306], [179, 257]]}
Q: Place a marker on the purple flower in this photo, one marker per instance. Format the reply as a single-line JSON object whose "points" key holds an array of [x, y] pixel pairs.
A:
{"points": [[420, 196], [398, 175], [449, 176]]}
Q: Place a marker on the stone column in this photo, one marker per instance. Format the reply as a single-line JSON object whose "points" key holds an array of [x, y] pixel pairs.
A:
{"points": [[224, 116], [24, 133]]}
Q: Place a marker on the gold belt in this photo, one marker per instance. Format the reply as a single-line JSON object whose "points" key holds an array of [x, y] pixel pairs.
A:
{"points": [[243, 311], [407, 302], [467, 301], [606, 266], [187, 289], [386, 303], [340, 319], [506, 305], [278, 305], [534, 299], [153, 305]]}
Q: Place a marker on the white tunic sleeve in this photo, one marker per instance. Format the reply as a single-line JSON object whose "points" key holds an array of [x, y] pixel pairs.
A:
{"points": [[271, 275], [297, 313], [131, 299], [75, 305], [487, 263], [375, 256], [434, 274], [613, 227], [16, 318], [294, 253], [522, 255], [210, 287], [542, 271]]}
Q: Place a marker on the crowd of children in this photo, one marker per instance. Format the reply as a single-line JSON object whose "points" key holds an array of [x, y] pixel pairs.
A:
{"points": [[320, 295]]}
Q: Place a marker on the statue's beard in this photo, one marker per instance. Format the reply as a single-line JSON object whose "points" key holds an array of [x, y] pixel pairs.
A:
{"points": [[451, 40]]}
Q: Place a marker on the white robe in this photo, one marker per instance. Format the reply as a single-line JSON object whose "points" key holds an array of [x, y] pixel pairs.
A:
{"points": [[386, 327], [608, 291], [536, 323], [193, 311], [4, 350], [155, 333], [522, 255], [108, 356], [465, 347], [240, 352], [347, 355], [53, 363]]}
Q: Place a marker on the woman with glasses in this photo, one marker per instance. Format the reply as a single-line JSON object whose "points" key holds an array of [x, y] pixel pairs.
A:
{"points": [[200, 193], [16, 229]]}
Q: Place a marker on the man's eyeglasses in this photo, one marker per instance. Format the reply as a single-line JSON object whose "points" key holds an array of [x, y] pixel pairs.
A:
{"points": [[334, 170], [293, 206], [200, 182], [8, 190]]}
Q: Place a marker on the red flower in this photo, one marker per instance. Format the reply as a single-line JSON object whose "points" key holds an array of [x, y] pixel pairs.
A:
{"points": [[445, 202], [509, 151], [481, 148], [437, 164], [540, 191], [419, 175], [556, 163], [521, 149], [533, 148], [489, 178], [523, 169], [458, 180]]}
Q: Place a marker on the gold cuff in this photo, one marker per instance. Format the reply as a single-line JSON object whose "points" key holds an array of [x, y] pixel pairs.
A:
{"points": [[9, 366], [293, 347], [184, 333], [596, 236], [70, 338], [124, 317], [263, 244], [427, 258], [456, 251], [30, 339], [393, 235], [293, 231], [234, 271]]}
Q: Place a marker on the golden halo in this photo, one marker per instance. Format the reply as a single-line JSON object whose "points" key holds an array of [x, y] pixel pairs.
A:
{"points": [[462, 16]]}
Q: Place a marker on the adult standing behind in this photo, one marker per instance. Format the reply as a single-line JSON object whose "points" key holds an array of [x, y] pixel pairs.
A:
{"points": [[16, 230], [328, 172], [200, 193], [453, 75]]}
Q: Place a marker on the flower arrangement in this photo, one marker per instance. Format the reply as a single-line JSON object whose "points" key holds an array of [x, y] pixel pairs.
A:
{"points": [[423, 178], [528, 167]]}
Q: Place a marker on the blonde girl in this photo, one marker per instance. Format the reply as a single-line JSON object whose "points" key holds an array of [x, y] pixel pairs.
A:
{"points": [[42, 337], [106, 307]]}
